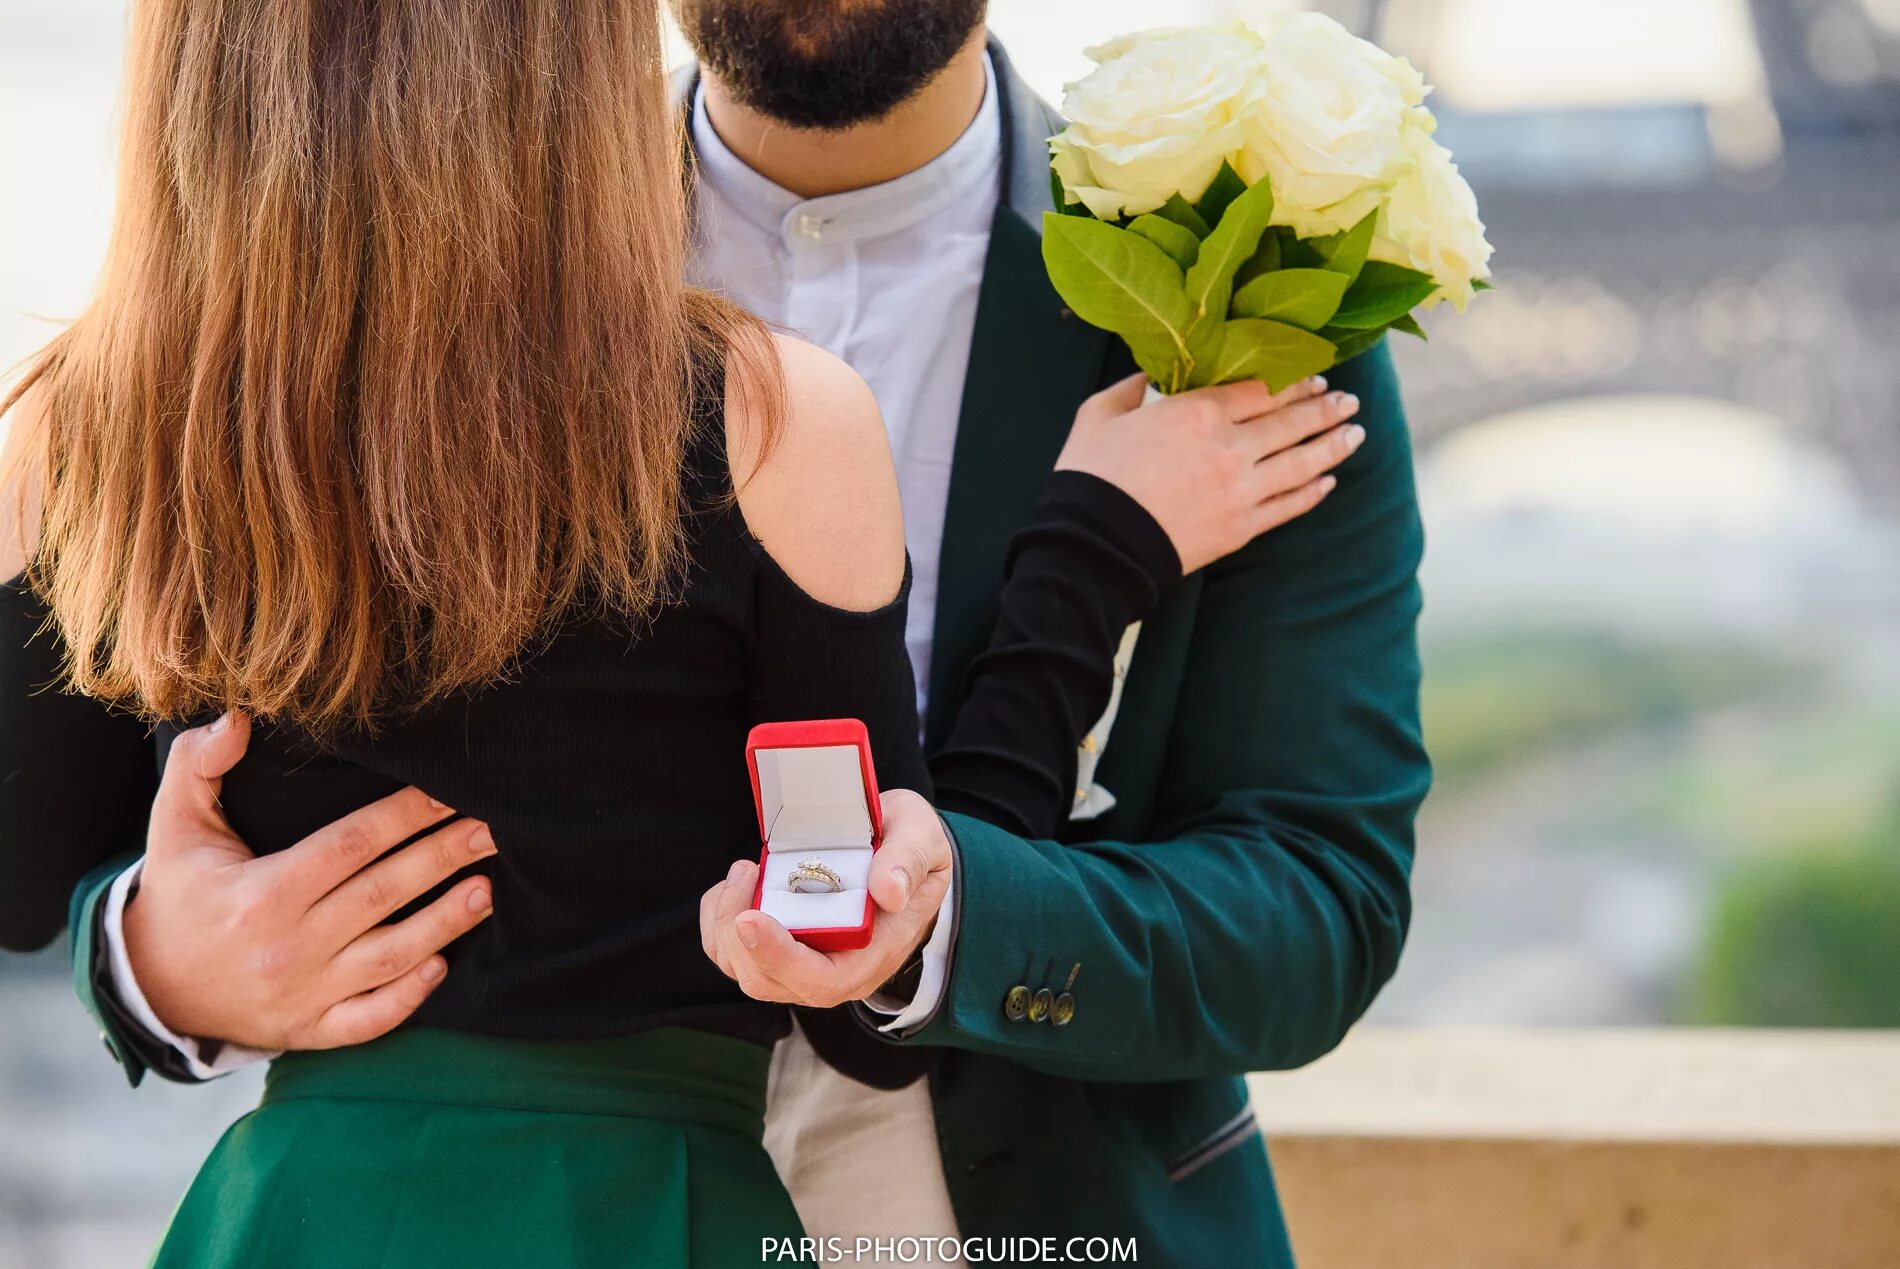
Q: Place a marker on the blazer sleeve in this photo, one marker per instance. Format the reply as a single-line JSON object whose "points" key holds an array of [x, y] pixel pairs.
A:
{"points": [[1270, 905]]}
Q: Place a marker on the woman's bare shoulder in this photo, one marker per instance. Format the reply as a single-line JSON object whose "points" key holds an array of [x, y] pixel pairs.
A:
{"points": [[822, 496]]}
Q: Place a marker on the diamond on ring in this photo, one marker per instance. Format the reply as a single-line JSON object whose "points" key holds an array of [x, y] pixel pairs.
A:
{"points": [[812, 876]]}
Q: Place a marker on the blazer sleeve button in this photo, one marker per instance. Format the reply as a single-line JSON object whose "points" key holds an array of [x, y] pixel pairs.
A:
{"points": [[1039, 1005], [1016, 1003], [1063, 1011]]}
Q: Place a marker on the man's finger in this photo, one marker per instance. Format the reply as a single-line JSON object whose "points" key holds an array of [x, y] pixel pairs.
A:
{"points": [[390, 951], [337, 852], [193, 781], [905, 928], [709, 928], [900, 865], [741, 881], [806, 976], [370, 897], [363, 1018]]}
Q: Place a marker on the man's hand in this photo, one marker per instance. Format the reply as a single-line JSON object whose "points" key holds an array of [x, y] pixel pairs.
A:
{"points": [[909, 875], [288, 951], [1216, 467]]}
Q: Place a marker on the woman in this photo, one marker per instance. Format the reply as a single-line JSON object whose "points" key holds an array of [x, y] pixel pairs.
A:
{"points": [[393, 426]]}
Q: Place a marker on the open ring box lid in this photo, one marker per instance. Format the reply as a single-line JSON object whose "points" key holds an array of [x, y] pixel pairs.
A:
{"points": [[817, 797]]}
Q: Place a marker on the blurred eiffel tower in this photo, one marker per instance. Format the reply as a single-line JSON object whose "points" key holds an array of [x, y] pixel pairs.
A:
{"points": [[1746, 251]]}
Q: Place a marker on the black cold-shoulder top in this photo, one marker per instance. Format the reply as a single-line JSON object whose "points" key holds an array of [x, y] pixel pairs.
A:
{"points": [[611, 765]]}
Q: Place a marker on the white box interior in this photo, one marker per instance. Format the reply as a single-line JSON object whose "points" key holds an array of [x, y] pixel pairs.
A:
{"points": [[811, 801]]}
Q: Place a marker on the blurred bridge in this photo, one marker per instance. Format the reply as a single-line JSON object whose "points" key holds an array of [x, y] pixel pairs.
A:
{"points": [[1740, 251]]}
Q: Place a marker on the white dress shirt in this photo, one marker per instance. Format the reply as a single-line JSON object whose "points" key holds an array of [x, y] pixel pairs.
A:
{"points": [[886, 278]]}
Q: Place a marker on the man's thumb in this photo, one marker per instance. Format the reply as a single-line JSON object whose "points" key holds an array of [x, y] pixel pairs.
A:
{"points": [[217, 747], [195, 769]]}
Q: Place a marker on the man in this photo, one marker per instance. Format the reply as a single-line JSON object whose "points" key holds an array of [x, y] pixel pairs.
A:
{"points": [[873, 176]]}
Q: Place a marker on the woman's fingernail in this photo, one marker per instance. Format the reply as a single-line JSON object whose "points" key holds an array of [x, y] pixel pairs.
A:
{"points": [[479, 899], [481, 843], [437, 804], [221, 723], [1348, 403], [433, 969], [1355, 436], [1326, 484], [903, 880], [1317, 383], [735, 873], [748, 933]]}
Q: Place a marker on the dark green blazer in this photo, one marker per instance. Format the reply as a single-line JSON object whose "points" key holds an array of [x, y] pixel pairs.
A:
{"points": [[1247, 896]]}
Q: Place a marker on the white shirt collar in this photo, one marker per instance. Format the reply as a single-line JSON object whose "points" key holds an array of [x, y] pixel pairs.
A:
{"points": [[969, 168]]}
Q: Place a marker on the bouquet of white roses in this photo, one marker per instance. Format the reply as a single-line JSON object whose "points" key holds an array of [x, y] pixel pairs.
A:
{"points": [[1255, 201]]}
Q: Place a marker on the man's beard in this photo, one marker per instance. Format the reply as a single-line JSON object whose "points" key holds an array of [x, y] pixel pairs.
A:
{"points": [[826, 63]]}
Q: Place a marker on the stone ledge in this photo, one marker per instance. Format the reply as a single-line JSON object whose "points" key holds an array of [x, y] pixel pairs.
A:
{"points": [[1457, 1149], [1791, 1087]]}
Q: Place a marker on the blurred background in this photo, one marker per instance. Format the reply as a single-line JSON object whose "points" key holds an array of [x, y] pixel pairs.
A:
{"points": [[1660, 469]]}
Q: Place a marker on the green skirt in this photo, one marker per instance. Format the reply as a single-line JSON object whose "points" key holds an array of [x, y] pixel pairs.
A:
{"points": [[431, 1148]]}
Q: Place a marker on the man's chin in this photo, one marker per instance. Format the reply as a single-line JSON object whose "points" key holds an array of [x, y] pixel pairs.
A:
{"points": [[827, 64]]}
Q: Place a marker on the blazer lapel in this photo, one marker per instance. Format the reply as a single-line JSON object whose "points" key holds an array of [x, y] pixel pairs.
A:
{"points": [[1031, 364]]}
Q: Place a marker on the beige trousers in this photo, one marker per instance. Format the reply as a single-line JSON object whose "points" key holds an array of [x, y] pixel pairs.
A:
{"points": [[859, 1161]]}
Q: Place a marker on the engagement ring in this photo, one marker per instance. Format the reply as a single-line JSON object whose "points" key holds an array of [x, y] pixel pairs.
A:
{"points": [[811, 876]]}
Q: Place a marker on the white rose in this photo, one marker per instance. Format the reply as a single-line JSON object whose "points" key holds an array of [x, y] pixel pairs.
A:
{"points": [[1327, 130], [1157, 117], [1431, 223]]}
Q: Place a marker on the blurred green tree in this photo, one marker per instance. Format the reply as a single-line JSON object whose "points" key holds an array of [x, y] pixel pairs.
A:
{"points": [[1808, 938]]}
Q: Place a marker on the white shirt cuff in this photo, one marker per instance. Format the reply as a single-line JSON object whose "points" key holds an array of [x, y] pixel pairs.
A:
{"points": [[936, 973], [125, 985]]}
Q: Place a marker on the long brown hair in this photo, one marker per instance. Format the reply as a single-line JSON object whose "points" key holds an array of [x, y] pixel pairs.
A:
{"points": [[391, 357]]}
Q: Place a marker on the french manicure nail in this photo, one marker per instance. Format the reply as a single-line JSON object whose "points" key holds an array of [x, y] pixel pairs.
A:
{"points": [[221, 723], [436, 804], [1348, 402], [1326, 484], [479, 899], [481, 843], [1317, 383], [748, 933], [432, 970], [903, 880], [1355, 436]]}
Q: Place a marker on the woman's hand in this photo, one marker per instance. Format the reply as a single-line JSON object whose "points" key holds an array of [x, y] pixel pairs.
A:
{"points": [[910, 874], [1216, 467]]}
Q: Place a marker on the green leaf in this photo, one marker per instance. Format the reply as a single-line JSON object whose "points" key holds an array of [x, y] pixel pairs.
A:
{"points": [[1210, 283], [1265, 259], [1180, 244], [1274, 352], [1410, 326], [1346, 253], [1479, 284], [1353, 342], [1383, 294], [1121, 282], [1182, 213], [1221, 192], [1297, 252], [1306, 298]]}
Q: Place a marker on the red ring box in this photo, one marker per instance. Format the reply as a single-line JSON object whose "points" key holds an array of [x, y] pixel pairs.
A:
{"points": [[816, 795]]}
